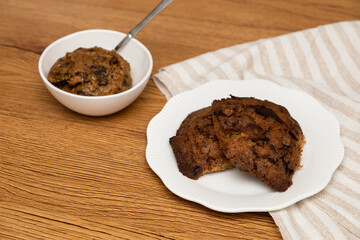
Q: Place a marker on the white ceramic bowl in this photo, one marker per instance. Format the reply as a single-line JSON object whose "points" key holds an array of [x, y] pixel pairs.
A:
{"points": [[134, 52]]}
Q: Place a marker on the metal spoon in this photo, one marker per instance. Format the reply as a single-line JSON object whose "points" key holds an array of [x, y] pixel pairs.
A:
{"points": [[142, 24]]}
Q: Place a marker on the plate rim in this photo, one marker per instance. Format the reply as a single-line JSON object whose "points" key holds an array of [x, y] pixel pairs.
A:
{"points": [[334, 121]]}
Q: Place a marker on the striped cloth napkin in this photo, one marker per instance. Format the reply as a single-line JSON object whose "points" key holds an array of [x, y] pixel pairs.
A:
{"points": [[325, 63]]}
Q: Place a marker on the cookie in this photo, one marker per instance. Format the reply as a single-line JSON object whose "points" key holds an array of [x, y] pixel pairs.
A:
{"points": [[259, 137], [196, 147]]}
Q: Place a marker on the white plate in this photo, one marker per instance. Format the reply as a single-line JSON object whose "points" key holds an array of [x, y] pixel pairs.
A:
{"points": [[232, 190]]}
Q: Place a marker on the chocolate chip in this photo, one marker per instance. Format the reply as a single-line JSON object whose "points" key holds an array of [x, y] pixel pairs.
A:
{"points": [[85, 76], [97, 69], [113, 60], [65, 64], [100, 73], [102, 80], [266, 112], [83, 93], [93, 68], [286, 165], [60, 84], [197, 170], [271, 160], [293, 135]]}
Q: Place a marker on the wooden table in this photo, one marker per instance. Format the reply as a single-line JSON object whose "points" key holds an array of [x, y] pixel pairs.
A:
{"points": [[69, 176]]}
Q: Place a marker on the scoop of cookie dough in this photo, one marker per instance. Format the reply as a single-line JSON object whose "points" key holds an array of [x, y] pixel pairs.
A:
{"points": [[91, 72]]}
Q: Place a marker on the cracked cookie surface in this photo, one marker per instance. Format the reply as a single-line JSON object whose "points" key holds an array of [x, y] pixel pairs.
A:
{"points": [[259, 137]]}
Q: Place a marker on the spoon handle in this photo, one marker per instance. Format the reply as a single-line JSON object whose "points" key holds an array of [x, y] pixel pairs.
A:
{"points": [[142, 24]]}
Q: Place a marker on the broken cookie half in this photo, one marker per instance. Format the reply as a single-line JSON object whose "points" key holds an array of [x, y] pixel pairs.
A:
{"points": [[259, 137], [196, 147]]}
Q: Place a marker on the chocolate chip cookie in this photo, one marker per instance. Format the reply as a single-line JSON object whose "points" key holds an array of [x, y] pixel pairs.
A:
{"points": [[259, 137]]}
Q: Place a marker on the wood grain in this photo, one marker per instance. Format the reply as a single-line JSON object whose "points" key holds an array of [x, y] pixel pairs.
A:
{"points": [[69, 176]]}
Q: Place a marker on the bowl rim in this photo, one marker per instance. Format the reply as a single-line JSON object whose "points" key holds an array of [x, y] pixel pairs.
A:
{"points": [[71, 35]]}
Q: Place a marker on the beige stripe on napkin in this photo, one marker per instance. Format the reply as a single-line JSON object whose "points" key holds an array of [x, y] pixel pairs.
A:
{"points": [[325, 63]]}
